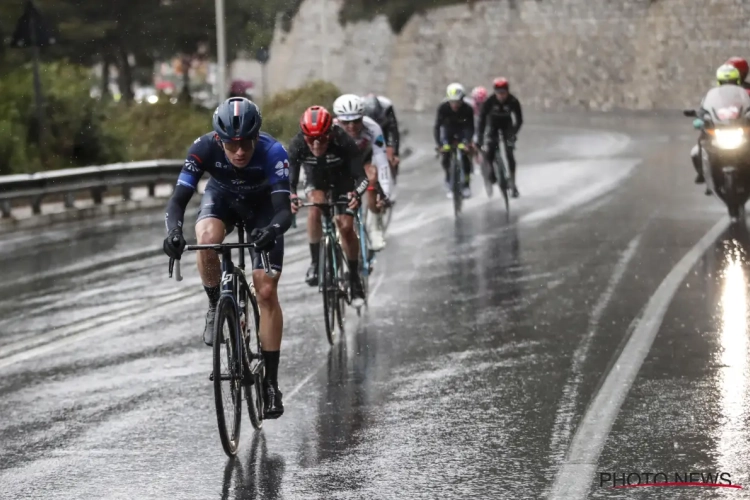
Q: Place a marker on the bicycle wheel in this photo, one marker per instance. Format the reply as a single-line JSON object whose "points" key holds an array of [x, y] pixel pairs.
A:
{"points": [[364, 262], [254, 371], [456, 184], [227, 375], [329, 287], [341, 287], [501, 172], [486, 169]]}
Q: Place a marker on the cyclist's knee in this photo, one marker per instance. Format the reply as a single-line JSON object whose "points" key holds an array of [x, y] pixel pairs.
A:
{"points": [[209, 231], [265, 289], [345, 223]]}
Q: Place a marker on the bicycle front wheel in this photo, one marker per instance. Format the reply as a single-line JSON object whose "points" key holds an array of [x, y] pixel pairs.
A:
{"points": [[227, 374], [329, 287], [341, 284], [456, 184], [253, 376]]}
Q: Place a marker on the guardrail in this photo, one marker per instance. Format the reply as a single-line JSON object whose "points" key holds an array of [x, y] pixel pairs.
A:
{"points": [[95, 180]]}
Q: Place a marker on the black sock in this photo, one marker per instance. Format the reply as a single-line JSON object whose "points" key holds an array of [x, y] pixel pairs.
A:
{"points": [[271, 359], [213, 292], [353, 269], [315, 252]]}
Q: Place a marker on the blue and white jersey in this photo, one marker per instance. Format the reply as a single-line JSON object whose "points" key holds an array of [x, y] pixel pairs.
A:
{"points": [[266, 173]]}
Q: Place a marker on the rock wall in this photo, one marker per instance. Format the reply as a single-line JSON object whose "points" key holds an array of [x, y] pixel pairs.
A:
{"points": [[594, 54]]}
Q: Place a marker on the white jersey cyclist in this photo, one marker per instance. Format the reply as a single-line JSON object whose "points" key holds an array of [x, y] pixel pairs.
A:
{"points": [[349, 111], [369, 137]]}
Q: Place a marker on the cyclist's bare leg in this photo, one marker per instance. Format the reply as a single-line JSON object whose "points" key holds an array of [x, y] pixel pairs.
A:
{"points": [[349, 241], [314, 226], [209, 231], [271, 317], [372, 176]]}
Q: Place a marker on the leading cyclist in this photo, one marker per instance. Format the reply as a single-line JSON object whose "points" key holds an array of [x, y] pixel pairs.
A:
{"points": [[250, 184]]}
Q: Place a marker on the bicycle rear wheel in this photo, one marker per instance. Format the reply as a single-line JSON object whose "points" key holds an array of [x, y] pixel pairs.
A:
{"points": [[456, 184], [227, 375], [329, 287], [253, 386]]}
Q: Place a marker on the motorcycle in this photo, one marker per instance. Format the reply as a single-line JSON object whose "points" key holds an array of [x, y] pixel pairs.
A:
{"points": [[724, 121]]}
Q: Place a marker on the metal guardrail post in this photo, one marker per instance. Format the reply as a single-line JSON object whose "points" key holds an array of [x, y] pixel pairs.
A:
{"points": [[96, 195], [36, 205], [70, 200], [5, 209], [151, 189], [126, 194]]}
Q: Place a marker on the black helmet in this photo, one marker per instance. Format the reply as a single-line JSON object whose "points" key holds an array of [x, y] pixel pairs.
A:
{"points": [[237, 118], [373, 108]]}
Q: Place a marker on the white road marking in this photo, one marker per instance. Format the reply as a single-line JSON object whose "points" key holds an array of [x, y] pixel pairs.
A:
{"points": [[575, 477]]}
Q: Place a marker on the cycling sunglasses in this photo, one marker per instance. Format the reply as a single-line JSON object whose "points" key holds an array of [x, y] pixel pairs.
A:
{"points": [[246, 144], [323, 138]]}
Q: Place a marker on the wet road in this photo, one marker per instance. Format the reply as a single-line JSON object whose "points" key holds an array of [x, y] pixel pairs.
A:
{"points": [[603, 330]]}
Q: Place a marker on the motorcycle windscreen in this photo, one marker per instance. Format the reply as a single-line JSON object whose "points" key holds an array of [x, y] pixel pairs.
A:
{"points": [[727, 104]]}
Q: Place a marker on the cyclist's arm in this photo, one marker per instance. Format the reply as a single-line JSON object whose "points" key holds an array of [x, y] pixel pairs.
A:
{"points": [[295, 154], [187, 183], [483, 121], [393, 136], [380, 160], [468, 123], [277, 172], [352, 155], [519, 115], [438, 123]]}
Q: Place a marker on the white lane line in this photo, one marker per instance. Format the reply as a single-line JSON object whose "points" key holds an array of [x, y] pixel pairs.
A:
{"points": [[575, 477], [562, 429]]}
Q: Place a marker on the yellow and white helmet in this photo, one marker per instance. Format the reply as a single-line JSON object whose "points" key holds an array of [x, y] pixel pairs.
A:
{"points": [[455, 92]]}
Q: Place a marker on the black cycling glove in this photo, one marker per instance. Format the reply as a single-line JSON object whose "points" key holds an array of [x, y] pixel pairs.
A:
{"points": [[264, 238], [174, 243]]}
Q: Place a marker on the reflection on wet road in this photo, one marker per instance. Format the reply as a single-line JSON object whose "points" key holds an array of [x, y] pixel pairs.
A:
{"points": [[602, 330]]}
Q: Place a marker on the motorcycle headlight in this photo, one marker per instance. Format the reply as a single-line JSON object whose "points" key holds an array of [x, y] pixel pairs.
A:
{"points": [[729, 138]]}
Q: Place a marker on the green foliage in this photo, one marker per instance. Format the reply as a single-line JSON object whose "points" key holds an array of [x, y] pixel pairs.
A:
{"points": [[73, 121], [398, 12], [282, 112], [158, 131]]}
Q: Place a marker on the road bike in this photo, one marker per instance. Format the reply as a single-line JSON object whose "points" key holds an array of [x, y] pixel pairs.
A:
{"points": [[236, 327]]}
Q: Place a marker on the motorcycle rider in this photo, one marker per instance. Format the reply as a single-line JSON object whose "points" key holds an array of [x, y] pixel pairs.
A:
{"points": [[381, 110], [349, 111], [742, 66], [727, 74], [455, 120], [505, 119]]}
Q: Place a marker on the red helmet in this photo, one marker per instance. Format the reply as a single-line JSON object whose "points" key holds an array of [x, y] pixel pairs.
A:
{"points": [[741, 66], [479, 94], [316, 121], [501, 83]]}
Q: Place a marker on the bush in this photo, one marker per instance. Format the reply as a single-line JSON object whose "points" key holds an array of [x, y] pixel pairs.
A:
{"points": [[157, 131], [282, 112], [72, 120], [398, 12]]}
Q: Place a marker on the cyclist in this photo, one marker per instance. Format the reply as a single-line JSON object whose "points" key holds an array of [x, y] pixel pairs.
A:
{"points": [[332, 161], [455, 120], [349, 110], [727, 74], [249, 183], [478, 96], [381, 110], [503, 110]]}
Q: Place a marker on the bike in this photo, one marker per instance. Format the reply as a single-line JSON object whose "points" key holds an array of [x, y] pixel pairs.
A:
{"points": [[456, 172], [502, 174], [333, 272], [237, 315]]}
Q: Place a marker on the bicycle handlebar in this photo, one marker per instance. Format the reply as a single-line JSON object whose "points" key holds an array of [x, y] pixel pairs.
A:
{"points": [[174, 264]]}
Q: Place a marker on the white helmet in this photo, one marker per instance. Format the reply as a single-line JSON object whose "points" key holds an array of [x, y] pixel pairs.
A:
{"points": [[455, 92], [349, 107]]}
